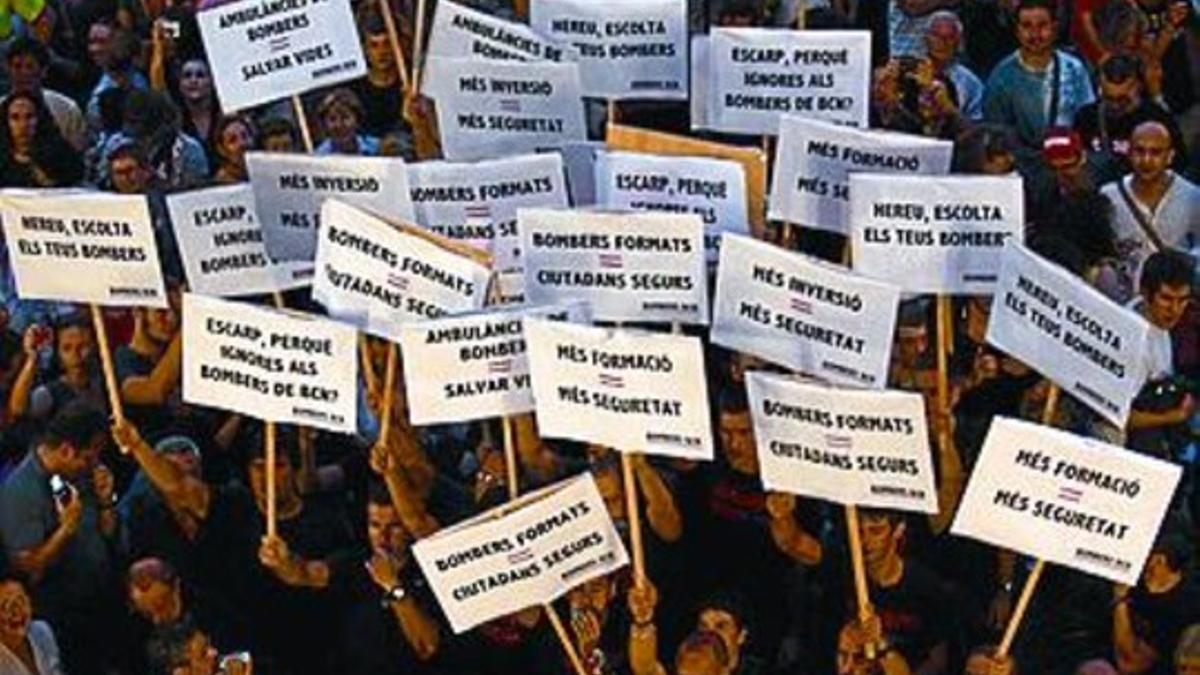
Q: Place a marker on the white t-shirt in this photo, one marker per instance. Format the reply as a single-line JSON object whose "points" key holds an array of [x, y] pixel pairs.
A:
{"points": [[45, 653], [1176, 220], [1159, 360]]}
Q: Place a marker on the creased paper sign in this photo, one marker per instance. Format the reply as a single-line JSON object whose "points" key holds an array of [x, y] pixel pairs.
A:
{"points": [[265, 51], [803, 314], [377, 277], [934, 234], [521, 555], [222, 246], [283, 367], [1069, 332], [627, 266], [290, 188], [624, 389], [489, 109], [462, 32], [628, 49], [854, 447], [82, 247], [811, 183], [1066, 499], [473, 366], [714, 189]]}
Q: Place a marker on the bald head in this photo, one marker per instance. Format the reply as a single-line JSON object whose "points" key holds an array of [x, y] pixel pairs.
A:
{"points": [[1153, 129], [1150, 152]]}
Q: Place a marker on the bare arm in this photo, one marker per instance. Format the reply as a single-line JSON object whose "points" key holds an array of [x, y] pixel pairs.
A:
{"points": [[538, 460], [183, 493], [33, 562], [18, 398], [408, 502], [155, 388], [661, 510], [291, 569], [787, 534], [1133, 654]]}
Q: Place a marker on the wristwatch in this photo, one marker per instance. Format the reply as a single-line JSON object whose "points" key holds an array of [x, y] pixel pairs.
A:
{"points": [[395, 594]]}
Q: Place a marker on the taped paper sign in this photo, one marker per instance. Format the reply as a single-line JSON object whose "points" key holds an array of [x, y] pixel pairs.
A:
{"points": [[811, 184], [470, 367], [628, 49], [377, 277], [283, 367], [461, 32], [477, 203], [714, 189], [522, 554], [940, 234], [627, 390], [272, 50], [744, 79], [1069, 332], [222, 246], [804, 314], [854, 447], [627, 266], [290, 188], [500, 108], [1066, 499], [82, 247]]}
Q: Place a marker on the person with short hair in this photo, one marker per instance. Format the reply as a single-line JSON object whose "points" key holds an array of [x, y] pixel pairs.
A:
{"points": [[713, 647], [1166, 287], [27, 646]]}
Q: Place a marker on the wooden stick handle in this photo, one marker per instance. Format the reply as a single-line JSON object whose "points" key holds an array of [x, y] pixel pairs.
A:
{"points": [[269, 440], [1051, 407], [943, 371], [565, 639], [510, 458], [389, 24], [106, 361], [861, 592], [635, 520], [418, 45], [1010, 633], [302, 122], [370, 377]]}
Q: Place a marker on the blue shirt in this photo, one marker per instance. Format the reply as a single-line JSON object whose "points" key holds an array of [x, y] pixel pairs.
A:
{"points": [[1021, 97]]}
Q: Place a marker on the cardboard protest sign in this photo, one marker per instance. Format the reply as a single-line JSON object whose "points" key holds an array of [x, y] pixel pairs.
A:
{"points": [[627, 266], [277, 366], [473, 366], [854, 447], [628, 49], [934, 234], [752, 160], [462, 32], [521, 554], [290, 188], [627, 390], [811, 184], [714, 189], [272, 50], [499, 108], [804, 314], [222, 245], [476, 203], [1069, 332], [744, 79], [377, 277], [1066, 499], [82, 247]]}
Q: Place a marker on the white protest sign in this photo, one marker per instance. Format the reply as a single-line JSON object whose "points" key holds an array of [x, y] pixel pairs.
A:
{"points": [[811, 185], [744, 79], [462, 32], [804, 314], [265, 51], [499, 108], [222, 245], [1066, 499], [627, 266], [854, 447], [505, 560], [714, 189], [276, 366], [1069, 332], [477, 203], [470, 367], [627, 390], [290, 188], [628, 49], [934, 234], [377, 277], [82, 247]]}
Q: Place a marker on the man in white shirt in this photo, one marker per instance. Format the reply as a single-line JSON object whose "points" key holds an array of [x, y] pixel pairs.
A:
{"points": [[27, 61]]}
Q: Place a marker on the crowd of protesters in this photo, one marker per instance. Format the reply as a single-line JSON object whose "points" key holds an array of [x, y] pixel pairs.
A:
{"points": [[139, 546]]}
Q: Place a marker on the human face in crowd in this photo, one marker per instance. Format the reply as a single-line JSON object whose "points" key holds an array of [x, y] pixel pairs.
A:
{"points": [[1036, 29], [1150, 152], [74, 347], [728, 628], [22, 124], [25, 73], [1120, 98], [236, 139], [200, 657], [737, 441], [99, 44], [385, 531], [378, 50], [195, 80], [74, 462], [1166, 306], [594, 595], [16, 612], [128, 175], [880, 539], [702, 654], [278, 143], [912, 341], [154, 599], [284, 482], [941, 41], [160, 324], [1070, 173], [998, 164], [341, 124]]}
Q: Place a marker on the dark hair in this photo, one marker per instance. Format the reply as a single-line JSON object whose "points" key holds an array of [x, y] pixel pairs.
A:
{"points": [[343, 97], [276, 126], [50, 149], [76, 424], [370, 21], [1167, 268], [1048, 5], [1175, 540], [25, 45], [734, 603], [981, 143], [377, 493], [168, 648], [128, 149], [1120, 68], [228, 121]]}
